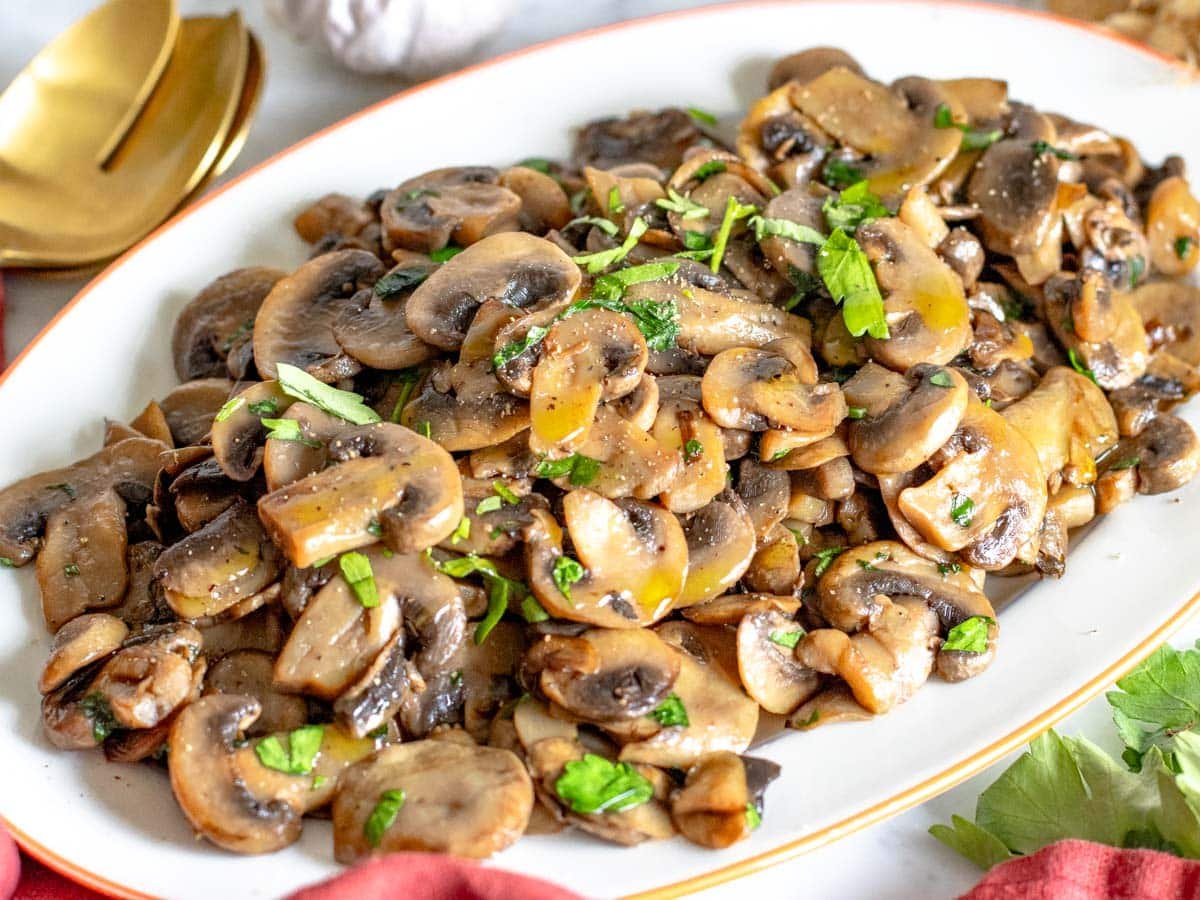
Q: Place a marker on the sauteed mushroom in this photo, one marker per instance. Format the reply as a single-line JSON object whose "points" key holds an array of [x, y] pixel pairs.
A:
{"points": [[220, 316]]}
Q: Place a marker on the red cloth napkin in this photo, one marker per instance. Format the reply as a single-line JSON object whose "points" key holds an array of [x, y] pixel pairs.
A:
{"points": [[1079, 870]]}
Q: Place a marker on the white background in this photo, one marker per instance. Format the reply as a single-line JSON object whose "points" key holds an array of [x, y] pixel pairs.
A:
{"points": [[304, 92]]}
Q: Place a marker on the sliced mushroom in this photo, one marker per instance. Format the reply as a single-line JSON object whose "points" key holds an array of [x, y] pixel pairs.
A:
{"points": [[775, 568], [808, 64], [226, 793], [462, 205], [151, 676], [295, 322], [883, 665], [218, 317], [775, 387], [81, 564], [519, 269], [732, 608], [1167, 453], [222, 564], [588, 357], [237, 437], [78, 644], [766, 493], [632, 462], [464, 800], [988, 495], [710, 322], [834, 704], [770, 673], [544, 204], [634, 557], [383, 473], [720, 715], [682, 426], [893, 127], [721, 543], [633, 674], [1015, 189], [333, 214], [1172, 226], [659, 138], [1170, 313], [905, 419], [778, 139], [373, 328], [251, 673], [927, 315], [797, 205], [711, 807]]}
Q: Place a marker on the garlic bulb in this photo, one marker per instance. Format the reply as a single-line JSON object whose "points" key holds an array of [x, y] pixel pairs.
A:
{"points": [[411, 38]]}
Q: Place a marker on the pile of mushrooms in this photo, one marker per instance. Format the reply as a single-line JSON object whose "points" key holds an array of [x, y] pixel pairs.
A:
{"points": [[535, 494]]}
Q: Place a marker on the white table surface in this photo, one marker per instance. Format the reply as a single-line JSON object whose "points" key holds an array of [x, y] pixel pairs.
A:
{"points": [[304, 92]]}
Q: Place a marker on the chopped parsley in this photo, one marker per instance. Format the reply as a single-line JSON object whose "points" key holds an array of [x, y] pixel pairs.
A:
{"points": [[462, 532], [693, 449], [787, 639], [962, 510], [602, 259], [615, 203], [708, 169], [95, 707], [407, 379], [228, 408], [1079, 367], [374, 528], [847, 274], [683, 206], [1137, 268], [532, 611], [702, 116], [1183, 246], [1040, 148], [298, 758], [1128, 462], [505, 493], [499, 591], [825, 559], [792, 231], [733, 212], [288, 430], [941, 378], [596, 785], [511, 351], [537, 164], [951, 568], [671, 712], [445, 254], [969, 635], [566, 572], [64, 487], [382, 816], [856, 412], [605, 225], [972, 138], [854, 206], [7, 563], [71, 570], [612, 286], [356, 569], [344, 404], [268, 407], [500, 588], [488, 504], [399, 281], [753, 817], [580, 470], [840, 174], [426, 430]]}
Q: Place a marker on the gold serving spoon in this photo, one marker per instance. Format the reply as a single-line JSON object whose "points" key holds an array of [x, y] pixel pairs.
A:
{"points": [[86, 213]]}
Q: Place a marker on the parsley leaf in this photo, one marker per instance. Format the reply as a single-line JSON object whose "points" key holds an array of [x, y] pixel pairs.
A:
{"points": [[693, 449], [825, 559], [602, 259], [1128, 462], [605, 225], [671, 712], [1183, 246], [1041, 148], [382, 816], [702, 116], [615, 203], [462, 532], [511, 351], [407, 379], [537, 164], [95, 707], [488, 504], [566, 572], [840, 174], [685, 207], [753, 817], [708, 169], [787, 639], [356, 569], [1078, 365], [972, 139], [1137, 268], [288, 430], [596, 785], [1156, 701], [969, 635], [962, 510], [658, 321], [228, 408], [847, 274], [733, 212], [445, 254], [344, 404], [532, 611], [303, 744], [579, 469], [268, 407], [854, 206], [399, 281], [941, 378], [498, 593], [856, 412], [505, 493], [792, 231]]}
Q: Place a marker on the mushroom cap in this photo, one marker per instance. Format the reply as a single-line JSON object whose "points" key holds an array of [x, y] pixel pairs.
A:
{"points": [[151, 676], [383, 473], [711, 807], [214, 319], [721, 543], [770, 673], [374, 329], [238, 438], [460, 204], [634, 672], [464, 800], [658, 137], [1168, 454], [1015, 190], [634, 555], [519, 269], [78, 644], [808, 64], [1172, 221], [227, 795], [906, 418], [926, 310], [251, 673], [633, 463], [295, 322], [681, 422], [1170, 310]]}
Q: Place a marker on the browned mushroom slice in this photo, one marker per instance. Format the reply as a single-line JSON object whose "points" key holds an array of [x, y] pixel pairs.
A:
{"points": [[766, 493], [770, 673], [711, 809], [682, 426], [633, 673], [286, 460], [533, 723], [544, 204], [710, 322], [220, 315], [654, 137], [262, 629], [462, 205], [927, 313], [383, 473], [374, 329], [775, 387], [893, 127], [1167, 453], [498, 511], [227, 795], [189, 409], [238, 434], [199, 494], [81, 565], [633, 554], [295, 322], [478, 415], [808, 64], [333, 214], [883, 665], [465, 800], [78, 644], [622, 193], [488, 678], [519, 269], [1015, 189], [800, 206], [151, 676], [588, 357], [251, 673], [721, 543], [905, 418], [1173, 227], [632, 462], [1170, 313], [775, 568], [834, 704], [988, 495], [222, 564], [732, 608], [720, 716], [152, 422], [640, 406], [1117, 352], [778, 139], [1068, 421]]}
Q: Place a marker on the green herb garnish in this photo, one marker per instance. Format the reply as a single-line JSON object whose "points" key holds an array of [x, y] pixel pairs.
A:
{"points": [[972, 139], [64, 487], [1137, 268], [708, 169], [268, 407], [615, 203], [951, 568], [505, 493], [344, 404], [685, 207], [962, 510], [825, 559], [566, 572], [671, 712], [356, 569], [693, 449], [95, 706], [1078, 365], [733, 212], [462, 532], [602, 259], [855, 412], [596, 785], [704, 118], [792, 231], [969, 635], [753, 817], [1183, 246], [847, 274], [1127, 463], [288, 430], [71, 570], [445, 254], [941, 378], [1042, 147], [537, 164], [854, 206], [401, 280], [532, 611], [382, 816], [488, 504], [298, 758], [579, 469], [228, 408], [840, 174], [605, 225], [787, 639], [407, 379]]}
